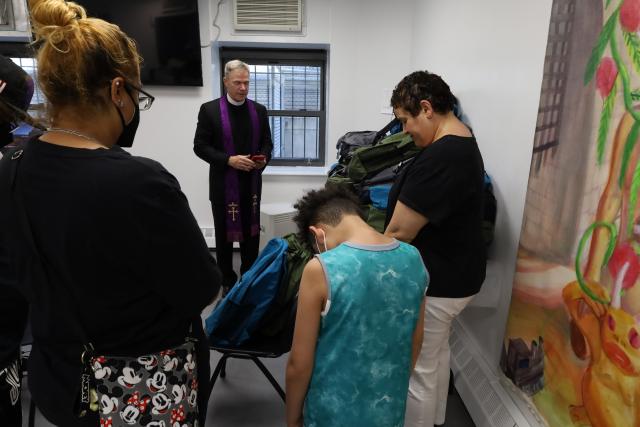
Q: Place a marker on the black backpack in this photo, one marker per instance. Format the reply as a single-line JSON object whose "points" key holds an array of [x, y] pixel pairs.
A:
{"points": [[490, 211], [350, 141]]}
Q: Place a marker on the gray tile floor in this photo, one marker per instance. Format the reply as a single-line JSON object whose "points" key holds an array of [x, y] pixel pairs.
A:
{"points": [[245, 387], [245, 398]]}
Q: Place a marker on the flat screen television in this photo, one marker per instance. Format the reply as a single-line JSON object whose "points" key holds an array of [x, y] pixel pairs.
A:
{"points": [[166, 32]]}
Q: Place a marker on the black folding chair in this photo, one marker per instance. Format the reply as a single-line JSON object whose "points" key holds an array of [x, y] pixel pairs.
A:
{"points": [[260, 347], [25, 352], [228, 353]]}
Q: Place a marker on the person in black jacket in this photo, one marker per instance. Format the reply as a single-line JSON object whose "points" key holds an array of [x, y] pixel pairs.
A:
{"points": [[116, 256], [234, 137], [436, 204], [16, 90]]}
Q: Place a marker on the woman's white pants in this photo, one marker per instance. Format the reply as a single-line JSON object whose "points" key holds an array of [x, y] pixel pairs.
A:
{"points": [[429, 384]]}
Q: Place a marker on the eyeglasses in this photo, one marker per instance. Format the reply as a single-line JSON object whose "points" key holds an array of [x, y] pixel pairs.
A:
{"points": [[145, 99]]}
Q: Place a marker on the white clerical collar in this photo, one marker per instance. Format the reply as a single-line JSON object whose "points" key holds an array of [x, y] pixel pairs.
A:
{"points": [[234, 102]]}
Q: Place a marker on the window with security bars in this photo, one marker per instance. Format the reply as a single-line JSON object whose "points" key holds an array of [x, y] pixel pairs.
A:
{"points": [[290, 84], [6, 16], [554, 83]]}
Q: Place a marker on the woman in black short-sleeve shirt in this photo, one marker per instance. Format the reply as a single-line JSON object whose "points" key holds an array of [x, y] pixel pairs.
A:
{"points": [[436, 204]]}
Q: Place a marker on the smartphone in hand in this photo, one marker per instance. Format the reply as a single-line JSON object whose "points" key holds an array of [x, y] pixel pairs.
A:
{"points": [[258, 157]]}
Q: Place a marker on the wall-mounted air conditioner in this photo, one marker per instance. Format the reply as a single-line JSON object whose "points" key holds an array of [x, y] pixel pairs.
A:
{"points": [[267, 15], [276, 220]]}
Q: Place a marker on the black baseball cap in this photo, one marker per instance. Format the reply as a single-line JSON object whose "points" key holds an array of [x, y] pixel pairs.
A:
{"points": [[16, 86], [16, 91]]}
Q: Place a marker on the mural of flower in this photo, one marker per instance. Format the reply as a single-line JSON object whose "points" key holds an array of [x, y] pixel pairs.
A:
{"points": [[630, 15], [613, 75], [606, 76]]}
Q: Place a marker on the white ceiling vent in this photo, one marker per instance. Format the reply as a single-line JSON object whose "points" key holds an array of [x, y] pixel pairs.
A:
{"points": [[267, 15]]}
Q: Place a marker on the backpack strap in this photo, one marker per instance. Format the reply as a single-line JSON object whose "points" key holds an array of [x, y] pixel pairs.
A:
{"points": [[382, 132]]}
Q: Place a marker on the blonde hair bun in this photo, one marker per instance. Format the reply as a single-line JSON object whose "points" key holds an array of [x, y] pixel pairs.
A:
{"points": [[52, 18], [77, 56]]}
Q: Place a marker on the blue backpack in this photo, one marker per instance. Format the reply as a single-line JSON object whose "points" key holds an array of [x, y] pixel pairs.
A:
{"points": [[236, 317]]}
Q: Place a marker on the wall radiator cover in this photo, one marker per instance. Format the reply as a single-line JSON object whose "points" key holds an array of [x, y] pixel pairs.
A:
{"points": [[491, 398], [276, 220]]}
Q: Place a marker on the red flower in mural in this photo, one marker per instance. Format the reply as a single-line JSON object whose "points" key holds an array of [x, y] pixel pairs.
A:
{"points": [[606, 76], [624, 267], [630, 15], [625, 255]]}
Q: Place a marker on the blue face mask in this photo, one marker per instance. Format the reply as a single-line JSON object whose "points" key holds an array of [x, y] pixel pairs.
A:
{"points": [[324, 242], [128, 130]]}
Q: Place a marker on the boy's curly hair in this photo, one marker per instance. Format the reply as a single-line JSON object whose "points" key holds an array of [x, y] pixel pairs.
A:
{"points": [[327, 206]]}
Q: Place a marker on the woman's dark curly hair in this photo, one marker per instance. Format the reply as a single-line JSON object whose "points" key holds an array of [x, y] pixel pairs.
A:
{"points": [[326, 206], [421, 85]]}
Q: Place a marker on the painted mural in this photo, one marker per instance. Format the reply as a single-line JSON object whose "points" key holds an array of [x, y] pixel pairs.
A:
{"points": [[572, 342]]}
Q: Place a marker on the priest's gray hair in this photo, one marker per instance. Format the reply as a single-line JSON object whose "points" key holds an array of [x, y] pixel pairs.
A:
{"points": [[235, 64]]}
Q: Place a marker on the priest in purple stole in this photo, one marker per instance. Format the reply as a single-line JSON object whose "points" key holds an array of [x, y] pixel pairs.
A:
{"points": [[234, 137]]}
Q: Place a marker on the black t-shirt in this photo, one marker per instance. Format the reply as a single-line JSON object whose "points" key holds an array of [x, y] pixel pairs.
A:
{"points": [[124, 258], [444, 182]]}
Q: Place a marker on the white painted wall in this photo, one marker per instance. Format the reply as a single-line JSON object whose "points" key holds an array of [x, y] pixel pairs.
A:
{"points": [[492, 55], [166, 130], [490, 52], [365, 58]]}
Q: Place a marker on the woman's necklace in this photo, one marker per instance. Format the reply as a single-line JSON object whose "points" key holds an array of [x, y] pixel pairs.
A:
{"points": [[73, 132]]}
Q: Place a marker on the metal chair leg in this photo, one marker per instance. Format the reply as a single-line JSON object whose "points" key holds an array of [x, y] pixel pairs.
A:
{"points": [[32, 413], [219, 367], [223, 372], [272, 380]]}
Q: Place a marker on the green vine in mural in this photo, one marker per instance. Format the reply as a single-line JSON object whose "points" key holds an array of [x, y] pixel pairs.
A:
{"points": [[600, 47], [609, 71], [624, 75], [632, 41], [613, 235], [605, 121], [629, 145], [628, 103], [633, 198], [612, 74]]}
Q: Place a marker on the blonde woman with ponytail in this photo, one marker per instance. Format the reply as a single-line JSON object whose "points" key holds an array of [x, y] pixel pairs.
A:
{"points": [[104, 244]]}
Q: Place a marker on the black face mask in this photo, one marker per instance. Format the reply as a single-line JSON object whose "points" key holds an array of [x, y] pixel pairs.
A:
{"points": [[128, 130]]}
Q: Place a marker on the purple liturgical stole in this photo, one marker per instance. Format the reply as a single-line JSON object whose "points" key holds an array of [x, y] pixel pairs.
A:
{"points": [[231, 181]]}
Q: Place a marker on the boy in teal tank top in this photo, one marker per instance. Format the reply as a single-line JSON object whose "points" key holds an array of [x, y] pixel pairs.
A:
{"points": [[359, 322]]}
